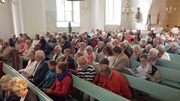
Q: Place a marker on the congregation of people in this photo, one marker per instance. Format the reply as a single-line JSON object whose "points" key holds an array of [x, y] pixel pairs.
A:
{"points": [[48, 61]]}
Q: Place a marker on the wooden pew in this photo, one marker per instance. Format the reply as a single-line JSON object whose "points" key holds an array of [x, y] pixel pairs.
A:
{"points": [[11, 71], [87, 87]]}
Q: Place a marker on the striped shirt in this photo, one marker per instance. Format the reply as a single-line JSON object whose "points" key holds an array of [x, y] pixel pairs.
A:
{"points": [[88, 74]]}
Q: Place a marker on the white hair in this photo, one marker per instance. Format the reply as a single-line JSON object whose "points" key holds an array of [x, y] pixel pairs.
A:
{"points": [[154, 51], [40, 53], [148, 46], [143, 39], [89, 48], [173, 44], [17, 83], [59, 48], [160, 48], [136, 46]]}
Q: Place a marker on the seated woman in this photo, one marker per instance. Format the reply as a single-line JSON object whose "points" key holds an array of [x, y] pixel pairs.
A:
{"points": [[91, 55], [136, 53], [100, 47], [146, 50], [68, 58], [146, 71], [154, 57], [36, 40], [50, 75], [143, 42], [7, 95], [52, 39], [30, 66], [173, 48], [62, 85], [43, 45], [19, 86], [162, 54], [109, 55], [65, 43]]}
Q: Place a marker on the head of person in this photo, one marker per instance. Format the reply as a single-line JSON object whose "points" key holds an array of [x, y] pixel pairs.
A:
{"points": [[144, 41], [42, 43], [153, 53], [39, 55], [5, 43], [173, 45], [166, 37], [155, 41], [116, 42], [107, 51], [61, 66], [116, 51], [100, 44], [64, 38], [161, 40], [13, 36], [136, 49], [4, 81], [37, 37], [82, 63], [150, 37], [160, 49], [67, 52], [82, 46], [52, 64], [89, 49], [32, 55], [143, 59], [77, 55], [148, 47], [123, 46], [79, 37], [109, 44], [104, 67], [28, 42], [57, 50], [19, 86]]}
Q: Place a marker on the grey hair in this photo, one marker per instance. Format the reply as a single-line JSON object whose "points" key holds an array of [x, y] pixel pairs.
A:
{"points": [[82, 43], [160, 48], [123, 44], [148, 46], [89, 48], [40, 53], [143, 39], [136, 46], [59, 48], [5, 79], [80, 58], [154, 51], [173, 44]]}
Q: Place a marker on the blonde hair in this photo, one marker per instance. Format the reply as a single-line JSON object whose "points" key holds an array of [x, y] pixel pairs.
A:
{"points": [[5, 79], [17, 83]]}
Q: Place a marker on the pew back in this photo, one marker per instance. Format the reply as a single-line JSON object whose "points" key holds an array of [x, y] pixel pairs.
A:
{"points": [[11, 71]]}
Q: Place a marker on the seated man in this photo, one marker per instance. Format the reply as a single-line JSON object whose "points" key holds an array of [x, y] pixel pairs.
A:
{"points": [[50, 76], [122, 60], [40, 69], [6, 52], [111, 80], [57, 54], [31, 65], [85, 71]]}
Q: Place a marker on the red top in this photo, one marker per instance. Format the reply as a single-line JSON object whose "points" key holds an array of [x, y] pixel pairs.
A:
{"points": [[116, 84], [62, 88]]}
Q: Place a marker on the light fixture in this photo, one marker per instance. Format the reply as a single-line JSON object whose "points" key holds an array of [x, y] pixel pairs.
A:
{"points": [[171, 9], [2, 1]]}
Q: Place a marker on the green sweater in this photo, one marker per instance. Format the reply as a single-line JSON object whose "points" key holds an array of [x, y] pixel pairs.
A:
{"points": [[48, 80]]}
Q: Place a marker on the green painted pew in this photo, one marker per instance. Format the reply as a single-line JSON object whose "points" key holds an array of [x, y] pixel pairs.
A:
{"points": [[11, 71], [170, 76], [89, 88], [169, 64], [174, 57], [156, 90], [95, 91]]}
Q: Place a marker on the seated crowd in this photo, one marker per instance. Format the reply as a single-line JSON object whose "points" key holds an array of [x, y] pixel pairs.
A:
{"points": [[49, 61]]}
